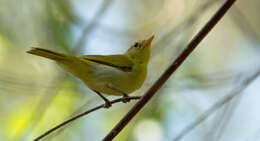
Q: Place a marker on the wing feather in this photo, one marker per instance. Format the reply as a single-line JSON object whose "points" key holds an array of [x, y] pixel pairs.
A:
{"points": [[120, 62]]}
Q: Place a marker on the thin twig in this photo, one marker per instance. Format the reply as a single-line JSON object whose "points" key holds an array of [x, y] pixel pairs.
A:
{"points": [[228, 114], [83, 114], [78, 110], [91, 26], [225, 119], [222, 120], [217, 105], [170, 70], [40, 109]]}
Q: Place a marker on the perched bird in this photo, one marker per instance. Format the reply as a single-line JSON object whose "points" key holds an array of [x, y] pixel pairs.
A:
{"points": [[109, 74]]}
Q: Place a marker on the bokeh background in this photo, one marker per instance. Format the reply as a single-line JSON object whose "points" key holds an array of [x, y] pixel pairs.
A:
{"points": [[35, 94]]}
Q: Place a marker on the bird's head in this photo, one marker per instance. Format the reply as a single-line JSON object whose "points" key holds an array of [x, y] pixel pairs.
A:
{"points": [[140, 51]]}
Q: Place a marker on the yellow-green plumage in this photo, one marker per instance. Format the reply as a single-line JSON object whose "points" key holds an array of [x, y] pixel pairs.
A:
{"points": [[125, 72]]}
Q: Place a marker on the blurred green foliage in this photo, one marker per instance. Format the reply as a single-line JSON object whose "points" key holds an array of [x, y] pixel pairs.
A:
{"points": [[35, 94], [59, 22]]}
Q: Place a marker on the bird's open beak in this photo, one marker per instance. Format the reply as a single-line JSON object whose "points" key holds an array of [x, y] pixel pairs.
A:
{"points": [[148, 41]]}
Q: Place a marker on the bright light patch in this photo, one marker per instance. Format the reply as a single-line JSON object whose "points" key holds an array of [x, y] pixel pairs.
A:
{"points": [[17, 122], [148, 130], [24, 116]]}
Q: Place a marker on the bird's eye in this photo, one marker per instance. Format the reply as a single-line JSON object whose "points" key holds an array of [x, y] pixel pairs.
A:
{"points": [[136, 44]]}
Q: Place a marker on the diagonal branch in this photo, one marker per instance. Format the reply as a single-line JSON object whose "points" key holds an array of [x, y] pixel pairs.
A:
{"points": [[170, 70], [81, 115], [217, 105]]}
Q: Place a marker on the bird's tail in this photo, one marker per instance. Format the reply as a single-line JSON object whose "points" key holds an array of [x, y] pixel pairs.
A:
{"points": [[47, 53]]}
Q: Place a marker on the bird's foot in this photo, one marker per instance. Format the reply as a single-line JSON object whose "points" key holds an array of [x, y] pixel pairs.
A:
{"points": [[125, 99], [107, 104]]}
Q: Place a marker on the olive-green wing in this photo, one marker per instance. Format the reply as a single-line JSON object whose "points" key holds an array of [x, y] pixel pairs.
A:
{"points": [[117, 61]]}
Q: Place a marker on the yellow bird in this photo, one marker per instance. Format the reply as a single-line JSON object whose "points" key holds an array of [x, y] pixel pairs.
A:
{"points": [[109, 74]]}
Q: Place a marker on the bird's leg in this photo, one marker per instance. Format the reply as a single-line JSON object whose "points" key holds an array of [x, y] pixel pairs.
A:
{"points": [[107, 102], [125, 96]]}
